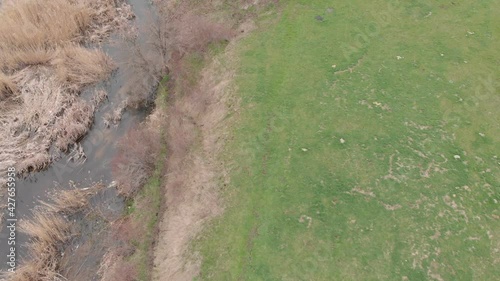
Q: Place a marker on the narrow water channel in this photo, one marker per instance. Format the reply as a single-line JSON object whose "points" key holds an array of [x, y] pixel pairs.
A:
{"points": [[99, 146]]}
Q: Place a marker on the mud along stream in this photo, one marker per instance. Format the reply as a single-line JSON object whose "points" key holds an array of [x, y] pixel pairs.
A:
{"points": [[99, 146]]}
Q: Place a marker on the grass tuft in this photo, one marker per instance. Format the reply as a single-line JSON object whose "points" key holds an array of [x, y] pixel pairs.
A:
{"points": [[49, 229], [7, 89], [77, 67]]}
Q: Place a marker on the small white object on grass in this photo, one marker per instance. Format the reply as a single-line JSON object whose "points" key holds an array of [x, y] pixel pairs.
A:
{"points": [[482, 135], [304, 149], [342, 140], [456, 157], [399, 57], [442, 55]]}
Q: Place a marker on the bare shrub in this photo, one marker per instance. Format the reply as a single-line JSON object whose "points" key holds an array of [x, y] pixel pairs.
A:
{"points": [[145, 63], [125, 271], [196, 32], [193, 33], [7, 88], [176, 31], [40, 23], [125, 231], [135, 160]]}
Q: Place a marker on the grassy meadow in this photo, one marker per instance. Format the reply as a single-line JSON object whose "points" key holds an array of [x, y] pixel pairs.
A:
{"points": [[366, 147]]}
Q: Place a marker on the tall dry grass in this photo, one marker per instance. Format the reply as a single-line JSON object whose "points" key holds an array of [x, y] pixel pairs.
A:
{"points": [[44, 65], [27, 123], [43, 22], [49, 229], [72, 200], [40, 26], [179, 29], [107, 16], [7, 88], [77, 67]]}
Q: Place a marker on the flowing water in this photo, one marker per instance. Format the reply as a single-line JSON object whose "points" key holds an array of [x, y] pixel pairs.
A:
{"points": [[99, 146]]}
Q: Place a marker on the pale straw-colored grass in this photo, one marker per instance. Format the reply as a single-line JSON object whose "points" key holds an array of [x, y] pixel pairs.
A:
{"points": [[49, 229], [77, 67], [44, 65]]}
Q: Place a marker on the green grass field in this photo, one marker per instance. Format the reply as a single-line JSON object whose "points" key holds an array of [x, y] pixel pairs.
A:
{"points": [[367, 147]]}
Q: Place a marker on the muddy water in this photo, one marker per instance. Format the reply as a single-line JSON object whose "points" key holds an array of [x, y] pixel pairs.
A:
{"points": [[99, 146]]}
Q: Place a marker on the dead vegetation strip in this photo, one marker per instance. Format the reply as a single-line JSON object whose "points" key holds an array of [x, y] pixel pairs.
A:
{"points": [[193, 120], [197, 133], [50, 229], [196, 136]]}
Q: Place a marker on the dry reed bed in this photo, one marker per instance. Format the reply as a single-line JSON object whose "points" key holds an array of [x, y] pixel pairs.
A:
{"points": [[43, 68], [49, 229]]}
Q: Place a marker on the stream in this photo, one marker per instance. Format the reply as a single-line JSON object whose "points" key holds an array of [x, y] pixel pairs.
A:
{"points": [[99, 146]]}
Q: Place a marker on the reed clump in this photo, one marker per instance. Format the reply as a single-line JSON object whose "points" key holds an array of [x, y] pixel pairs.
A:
{"points": [[7, 87], [77, 67], [49, 229]]}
